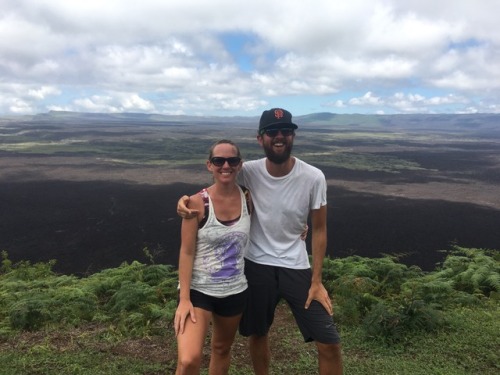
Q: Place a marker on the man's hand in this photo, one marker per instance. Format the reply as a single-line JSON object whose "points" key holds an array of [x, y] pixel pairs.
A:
{"points": [[318, 292], [182, 209]]}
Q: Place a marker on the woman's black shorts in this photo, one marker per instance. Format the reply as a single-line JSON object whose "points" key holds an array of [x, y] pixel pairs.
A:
{"points": [[225, 306]]}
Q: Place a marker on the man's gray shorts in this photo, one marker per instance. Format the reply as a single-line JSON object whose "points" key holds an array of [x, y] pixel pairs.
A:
{"points": [[267, 285]]}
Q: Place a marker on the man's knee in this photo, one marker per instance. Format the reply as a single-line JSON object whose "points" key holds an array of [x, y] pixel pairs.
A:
{"points": [[221, 348], [331, 352], [257, 338], [259, 346]]}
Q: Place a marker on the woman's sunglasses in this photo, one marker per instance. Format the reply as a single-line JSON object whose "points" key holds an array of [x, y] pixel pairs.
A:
{"points": [[274, 132], [219, 161]]}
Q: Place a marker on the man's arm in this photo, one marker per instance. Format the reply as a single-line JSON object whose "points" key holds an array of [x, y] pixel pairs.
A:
{"points": [[183, 210], [318, 243]]}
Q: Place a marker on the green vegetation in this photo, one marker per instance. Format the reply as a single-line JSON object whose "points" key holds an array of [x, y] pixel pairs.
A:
{"points": [[131, 299], [176, 152], [394, 319], [357, 161]]}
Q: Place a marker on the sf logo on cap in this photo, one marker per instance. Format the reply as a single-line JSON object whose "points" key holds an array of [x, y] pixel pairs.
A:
{"points": [[278, 113]]}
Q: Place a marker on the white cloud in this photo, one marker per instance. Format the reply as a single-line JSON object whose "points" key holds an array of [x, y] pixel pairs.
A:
{"points": [[97, 103], [43, 92], [339, 104], [19, 107], [367, 99], [114, 103], [401, 102], [171, 56], [134, 102]]}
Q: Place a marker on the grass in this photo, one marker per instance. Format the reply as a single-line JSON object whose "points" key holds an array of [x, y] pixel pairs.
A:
{"points": [[84, 362], [468, 347]]}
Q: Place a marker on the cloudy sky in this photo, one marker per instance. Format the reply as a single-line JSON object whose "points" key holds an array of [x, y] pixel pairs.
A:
{"points": [[237, 57]]}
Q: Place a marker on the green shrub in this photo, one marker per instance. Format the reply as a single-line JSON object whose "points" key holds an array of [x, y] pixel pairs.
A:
{"points": [[354, 297], [37, 308], [382, 323], [30, 313], [474, 271], [131, 296], [391, 300], [393, 323], [466, 277], [388, 300], [73, 305], [6, 263]]}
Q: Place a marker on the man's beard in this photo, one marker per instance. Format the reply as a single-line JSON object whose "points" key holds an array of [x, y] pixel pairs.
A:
{"points": [[281, 157]]}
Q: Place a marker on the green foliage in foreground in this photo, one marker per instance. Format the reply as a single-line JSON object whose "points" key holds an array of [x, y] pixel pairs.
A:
{"points": [[393, 319], [392, 301], [131, 299]]}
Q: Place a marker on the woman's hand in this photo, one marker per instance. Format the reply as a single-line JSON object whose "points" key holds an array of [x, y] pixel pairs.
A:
{"points": [[303, 235], [184, 310]]}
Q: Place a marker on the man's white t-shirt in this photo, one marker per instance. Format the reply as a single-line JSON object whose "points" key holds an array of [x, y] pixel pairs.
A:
{"points": [[282, 205]]}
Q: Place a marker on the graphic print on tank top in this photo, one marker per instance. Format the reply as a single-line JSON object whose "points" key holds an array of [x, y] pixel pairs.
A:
{"points": [[222, 262]]}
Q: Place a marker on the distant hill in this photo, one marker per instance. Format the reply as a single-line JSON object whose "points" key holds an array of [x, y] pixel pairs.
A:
{"points": [[136, 118], [480, 123]]}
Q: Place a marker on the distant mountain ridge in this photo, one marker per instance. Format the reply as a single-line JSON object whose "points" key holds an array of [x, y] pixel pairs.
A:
{"points": [[489, 122]]}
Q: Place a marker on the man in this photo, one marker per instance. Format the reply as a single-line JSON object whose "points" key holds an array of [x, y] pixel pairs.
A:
{"points": [[285, 192]]}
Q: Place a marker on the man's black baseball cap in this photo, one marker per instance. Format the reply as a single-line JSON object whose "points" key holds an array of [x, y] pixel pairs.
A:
{"points": [[276, 118]]}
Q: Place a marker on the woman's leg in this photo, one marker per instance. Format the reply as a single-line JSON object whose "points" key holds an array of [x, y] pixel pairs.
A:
{"points": [[190, 343], [224, 330]]}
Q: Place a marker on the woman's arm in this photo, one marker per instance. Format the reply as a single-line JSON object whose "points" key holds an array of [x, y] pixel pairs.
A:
{"points": [[189, 231]]}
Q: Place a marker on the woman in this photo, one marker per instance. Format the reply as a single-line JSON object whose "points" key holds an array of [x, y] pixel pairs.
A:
{"points": [[212, 284]]}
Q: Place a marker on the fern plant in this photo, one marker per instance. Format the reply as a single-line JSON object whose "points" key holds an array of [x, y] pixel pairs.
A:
{"points": [[396, 321], [133, 298], [390, 301], [464, 271]]}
